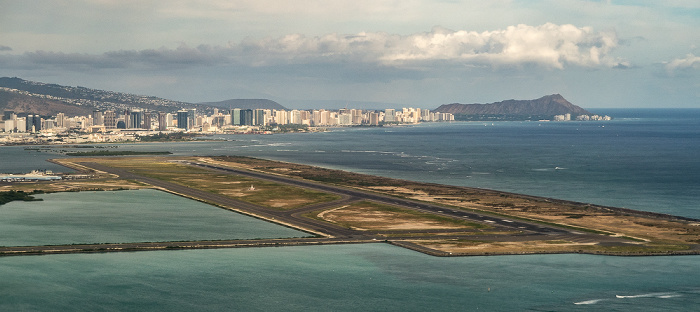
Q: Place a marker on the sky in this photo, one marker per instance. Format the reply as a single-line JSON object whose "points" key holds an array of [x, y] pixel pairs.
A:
{"points": [[381, 53]]}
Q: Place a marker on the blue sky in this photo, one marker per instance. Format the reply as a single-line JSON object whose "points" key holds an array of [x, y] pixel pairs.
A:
{"points": [[407, 53]]}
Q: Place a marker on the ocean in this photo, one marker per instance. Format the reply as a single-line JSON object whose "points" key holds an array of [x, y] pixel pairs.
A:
{"points": [[643, 159], [125, 216]]}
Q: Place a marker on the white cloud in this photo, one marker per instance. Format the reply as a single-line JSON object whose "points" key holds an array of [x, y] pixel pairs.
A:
{"points": [[547, 46], [690, 61]]}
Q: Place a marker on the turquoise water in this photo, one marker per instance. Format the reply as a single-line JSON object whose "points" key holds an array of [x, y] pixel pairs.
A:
{"points": [[125, 216], [645, 159], [370, 277]]}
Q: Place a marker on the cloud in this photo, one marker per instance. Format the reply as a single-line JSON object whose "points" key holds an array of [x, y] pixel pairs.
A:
{"points": [[5, 48], [690, 61], [548, 46]]}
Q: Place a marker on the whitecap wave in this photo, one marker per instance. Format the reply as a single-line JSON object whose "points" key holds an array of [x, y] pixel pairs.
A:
{"points": [[650, 295]]}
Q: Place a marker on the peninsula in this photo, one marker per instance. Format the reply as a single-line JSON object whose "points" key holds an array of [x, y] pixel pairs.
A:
{"points": [[342, 207], [546, 108]]}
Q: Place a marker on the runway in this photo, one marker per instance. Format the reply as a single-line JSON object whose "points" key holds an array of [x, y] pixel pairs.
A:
{"points": [[321, 232]]}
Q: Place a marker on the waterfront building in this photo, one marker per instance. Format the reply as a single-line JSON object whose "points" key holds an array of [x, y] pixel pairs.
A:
{"points": [[373, 119], [356, 116], [281, 117], [389, 115], [345, 119], [260, 117], [236, 117], [295, 117], [325, 117], [247, 117], [316, 117]]}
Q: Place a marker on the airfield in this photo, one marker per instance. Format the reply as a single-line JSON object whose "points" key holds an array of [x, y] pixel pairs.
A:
{"points": [[338, 207]]}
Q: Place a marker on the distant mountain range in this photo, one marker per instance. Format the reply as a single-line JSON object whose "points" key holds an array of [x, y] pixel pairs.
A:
{"points": [[246, 104], [24, 96], [549, 105]]}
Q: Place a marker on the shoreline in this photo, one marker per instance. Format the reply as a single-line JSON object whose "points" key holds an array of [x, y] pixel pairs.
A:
{"points": [[7, 251], [435, 242]]}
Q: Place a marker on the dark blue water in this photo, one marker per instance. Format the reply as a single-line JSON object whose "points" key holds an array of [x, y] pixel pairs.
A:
{"points": [[644, 159]]}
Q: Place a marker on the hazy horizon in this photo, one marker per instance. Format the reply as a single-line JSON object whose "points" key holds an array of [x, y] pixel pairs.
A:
{"points": [[597, 54]]}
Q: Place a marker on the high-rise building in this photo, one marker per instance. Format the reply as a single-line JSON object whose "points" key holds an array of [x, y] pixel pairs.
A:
{"points": [[192, 116], [260, 117], [127, 118], [135, 119], [295, 117], [316, 117], [10, 125], [60, 120], [389, 115], [345, 119], [236, 117], [247, 117], [21, 124], [147, 119], [7, 115], [356, 116], [325, 117], [162, 121], [98, 118], [29, 123], [374, 119], [33, 123], [183, 120], [169, 119], [110, 119]]}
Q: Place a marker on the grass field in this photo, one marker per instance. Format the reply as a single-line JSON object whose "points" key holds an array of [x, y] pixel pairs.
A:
{"points": [[640, 233], [263, 193], [374, 216]]}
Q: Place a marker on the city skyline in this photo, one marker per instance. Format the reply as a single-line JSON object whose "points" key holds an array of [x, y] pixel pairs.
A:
{"points": [[416, 53]]}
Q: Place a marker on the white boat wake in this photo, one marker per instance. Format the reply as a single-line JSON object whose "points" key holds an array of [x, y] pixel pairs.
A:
{"points": [[660, 295]]}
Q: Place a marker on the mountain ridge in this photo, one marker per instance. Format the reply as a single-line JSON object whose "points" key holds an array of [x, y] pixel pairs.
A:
{"points": [[554, 104], [246, 104], [26, 96]]}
